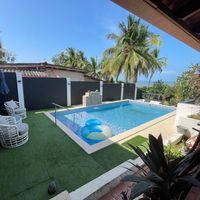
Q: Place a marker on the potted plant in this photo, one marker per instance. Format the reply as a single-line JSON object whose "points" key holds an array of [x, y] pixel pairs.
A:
{"points": [[166, 179]]}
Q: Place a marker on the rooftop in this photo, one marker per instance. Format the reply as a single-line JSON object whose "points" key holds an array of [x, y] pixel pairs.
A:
{"points": [[37, 69]]}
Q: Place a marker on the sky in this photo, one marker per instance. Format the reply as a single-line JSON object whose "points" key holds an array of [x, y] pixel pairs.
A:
{"points": [[36, 30]]}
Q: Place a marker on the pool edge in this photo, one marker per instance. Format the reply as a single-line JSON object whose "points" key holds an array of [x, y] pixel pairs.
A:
{"points": [[115, 139]]}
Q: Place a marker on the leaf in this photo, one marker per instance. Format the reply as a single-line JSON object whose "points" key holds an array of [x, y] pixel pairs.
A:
{"points": [[140, 153], [154, 177], [139, 168], [157, 151], [133, 178], [191, 180], [141, 188]]}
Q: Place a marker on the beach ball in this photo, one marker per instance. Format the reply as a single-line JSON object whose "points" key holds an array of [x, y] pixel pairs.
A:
{"points": [[96, 132]]}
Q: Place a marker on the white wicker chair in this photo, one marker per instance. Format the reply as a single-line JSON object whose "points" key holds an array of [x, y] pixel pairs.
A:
{"points": [[11, 134], [15, 108]]}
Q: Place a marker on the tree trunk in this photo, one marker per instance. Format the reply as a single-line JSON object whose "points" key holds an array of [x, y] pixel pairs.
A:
{"points": [[150, 79]]}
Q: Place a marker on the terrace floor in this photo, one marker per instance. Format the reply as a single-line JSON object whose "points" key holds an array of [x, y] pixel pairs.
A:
{"points": [[51, 155]]}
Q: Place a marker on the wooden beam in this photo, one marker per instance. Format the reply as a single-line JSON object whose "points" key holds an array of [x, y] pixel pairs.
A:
{"points": [[191, 14], [187, 9], [152, 14]]}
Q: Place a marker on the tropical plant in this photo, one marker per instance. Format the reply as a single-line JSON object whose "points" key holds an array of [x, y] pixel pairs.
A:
{"points": [[5, 56], [81, 60], [158, 87], [161, 63], [187, 85], [160, 91], [71, 58], [172, 152], [106, 70], [135, 51], [92, 68], [167, 179]]}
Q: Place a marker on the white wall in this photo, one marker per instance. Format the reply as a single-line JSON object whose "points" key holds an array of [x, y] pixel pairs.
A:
{"points": [[189, 123], [184, 109], [74, 76]]}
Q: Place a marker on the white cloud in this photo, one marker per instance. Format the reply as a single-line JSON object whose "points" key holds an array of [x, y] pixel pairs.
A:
{"points": [[169, 72]]}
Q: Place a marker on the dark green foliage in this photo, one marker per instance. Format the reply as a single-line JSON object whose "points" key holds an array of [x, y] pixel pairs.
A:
{"points": [[76, 59], [5, 56], [166, 179], [186, 87], [188, 84], [172, 151], [160, 91]]}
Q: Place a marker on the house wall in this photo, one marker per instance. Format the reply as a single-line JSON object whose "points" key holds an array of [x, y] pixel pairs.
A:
{"points": [[74, 76], [189, 123], [185, 109]]}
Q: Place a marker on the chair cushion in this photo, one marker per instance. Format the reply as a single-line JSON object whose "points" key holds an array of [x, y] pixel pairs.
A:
{"points": [[20, 110], [22, 128], [3, 121], [12, 104], [17, 118]]}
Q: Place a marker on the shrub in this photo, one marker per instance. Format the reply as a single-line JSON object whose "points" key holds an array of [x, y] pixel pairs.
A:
{"points": [[173, 152], [187, 85]]}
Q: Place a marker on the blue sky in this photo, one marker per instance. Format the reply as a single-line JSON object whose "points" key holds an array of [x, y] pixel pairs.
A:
{"points": [[36, 30]]}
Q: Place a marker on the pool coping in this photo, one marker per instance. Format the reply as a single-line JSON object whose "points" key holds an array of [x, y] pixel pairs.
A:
{"points": [[115, 139]]}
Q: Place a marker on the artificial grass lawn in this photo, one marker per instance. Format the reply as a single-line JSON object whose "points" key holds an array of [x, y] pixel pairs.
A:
{"points": [[51, 155]]}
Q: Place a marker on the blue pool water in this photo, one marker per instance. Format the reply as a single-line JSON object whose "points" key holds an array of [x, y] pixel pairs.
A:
{"points": [[119, 117]]}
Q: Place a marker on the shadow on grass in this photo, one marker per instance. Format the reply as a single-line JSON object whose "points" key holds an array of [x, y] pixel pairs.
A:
{"points": [[116, 154]]}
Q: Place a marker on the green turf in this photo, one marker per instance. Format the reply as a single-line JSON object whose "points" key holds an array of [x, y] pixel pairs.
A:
{"points": [[50, 154]]}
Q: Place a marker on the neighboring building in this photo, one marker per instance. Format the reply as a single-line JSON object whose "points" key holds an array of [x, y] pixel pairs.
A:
{"points": [[46, 70]]}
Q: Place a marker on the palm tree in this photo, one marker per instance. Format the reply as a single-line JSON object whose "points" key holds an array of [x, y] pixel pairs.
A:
{"points": [[93, 68], [71, 57], [106, 70], [131, 54], [5, 56], [81, 60], [161, 63]]}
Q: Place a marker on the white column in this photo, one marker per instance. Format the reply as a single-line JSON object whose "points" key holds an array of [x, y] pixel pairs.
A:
{"points": [[101, 88], [122, 91], [135, 96], [68, 82], [20, 89]]}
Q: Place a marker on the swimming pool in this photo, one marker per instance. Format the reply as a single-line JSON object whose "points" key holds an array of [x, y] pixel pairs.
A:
{"points": [[119, 117]]}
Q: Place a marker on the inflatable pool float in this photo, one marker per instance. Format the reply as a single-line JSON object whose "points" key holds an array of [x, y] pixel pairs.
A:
{"points": [[92, 122], [95, 130]]}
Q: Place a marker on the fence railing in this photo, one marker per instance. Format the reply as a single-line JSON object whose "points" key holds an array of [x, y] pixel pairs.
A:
{"points": [[55, 110]]}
